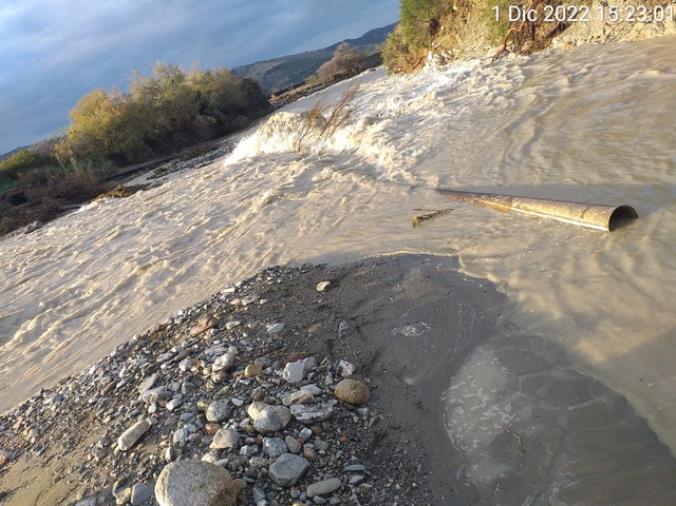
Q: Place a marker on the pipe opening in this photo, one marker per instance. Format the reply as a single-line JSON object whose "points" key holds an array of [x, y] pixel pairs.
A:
{"points": [[621, 217]]}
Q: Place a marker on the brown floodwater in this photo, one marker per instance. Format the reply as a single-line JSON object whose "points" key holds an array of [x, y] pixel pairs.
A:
{"points": [[592, 124]]}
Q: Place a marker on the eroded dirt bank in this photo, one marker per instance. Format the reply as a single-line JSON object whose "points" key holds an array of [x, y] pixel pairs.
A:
{"points": [[464, 409]]}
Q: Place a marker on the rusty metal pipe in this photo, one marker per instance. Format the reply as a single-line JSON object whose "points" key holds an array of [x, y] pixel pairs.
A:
{"points": [[598, 217]]}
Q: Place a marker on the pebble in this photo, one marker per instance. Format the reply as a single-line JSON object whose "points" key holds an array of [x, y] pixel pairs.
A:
{"points": [[180, 436], [130, 436], [122, 496], [267, 418], [248, 450], [352, 392], [321, 445], [226, 439], [225, 362], [249, 299], [185, 364], [175, 402], [343, 329], [305, 434], [313, 389], [193, 483], [156, 394], [258, 494], [6, 457], [346, 368], [292, 444], [211, 428], [147, 383], [323, 487], [170, 454], [322, 286], [356, 479], [232, 324], [141, 493], [274, 328], [253, 370], [273, 447], [302, 396], [218, 411], [288, 469], [202, 325], [311, 413], [294, 372]]}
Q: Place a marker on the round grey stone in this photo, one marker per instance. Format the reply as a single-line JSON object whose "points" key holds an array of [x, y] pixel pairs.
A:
{"points": [[324, 487], [273, 447], [194, 483], [288, 469], [218, 411], [226, 439], [292, 444], [141, 493]]}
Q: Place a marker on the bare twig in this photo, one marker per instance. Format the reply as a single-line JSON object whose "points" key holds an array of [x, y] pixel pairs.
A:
{"points": [[311, 121], [341, 112], [338, 116]]}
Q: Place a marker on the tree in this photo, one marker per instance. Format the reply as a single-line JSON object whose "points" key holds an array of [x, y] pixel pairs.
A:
{"points": [[164, 112], [346, 62]]}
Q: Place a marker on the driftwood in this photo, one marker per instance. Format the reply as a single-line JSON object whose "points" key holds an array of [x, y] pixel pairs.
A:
{"points": [[428, 214]]}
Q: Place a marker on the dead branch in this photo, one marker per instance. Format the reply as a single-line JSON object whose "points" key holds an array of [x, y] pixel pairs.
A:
{"points": [[428, 214]]}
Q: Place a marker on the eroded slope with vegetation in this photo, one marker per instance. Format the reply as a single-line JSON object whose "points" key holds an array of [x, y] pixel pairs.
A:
{"points": [[475, 28]]}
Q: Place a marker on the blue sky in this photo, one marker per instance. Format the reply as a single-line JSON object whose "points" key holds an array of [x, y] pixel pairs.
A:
{"points": [[54, 51]]}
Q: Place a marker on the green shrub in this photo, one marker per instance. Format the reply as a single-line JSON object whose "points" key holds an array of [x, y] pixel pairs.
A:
{"points": [[161, 114], [419, 23], [312, 80], [420, 20], [23, 160], [399, 56]]}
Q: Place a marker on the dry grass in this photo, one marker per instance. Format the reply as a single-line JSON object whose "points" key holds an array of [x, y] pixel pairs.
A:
{"points": [[323, 122], [42, 196], [312, 121]]}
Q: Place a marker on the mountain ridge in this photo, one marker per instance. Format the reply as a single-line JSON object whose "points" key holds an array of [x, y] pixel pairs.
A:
{"points": [[278, 73]]}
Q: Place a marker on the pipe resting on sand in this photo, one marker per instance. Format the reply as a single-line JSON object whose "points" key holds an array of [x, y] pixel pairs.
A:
{"points": [[594, 216]]}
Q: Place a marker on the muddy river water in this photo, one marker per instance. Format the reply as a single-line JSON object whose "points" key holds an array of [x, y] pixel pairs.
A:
{"points": [[592, 124]]}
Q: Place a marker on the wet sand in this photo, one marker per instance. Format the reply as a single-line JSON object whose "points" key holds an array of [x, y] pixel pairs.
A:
{"points": [[526, 425]]}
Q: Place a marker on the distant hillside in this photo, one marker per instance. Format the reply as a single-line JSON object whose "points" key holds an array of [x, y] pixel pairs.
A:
{"points": [[285, 71], [10, 153], [43, 146]]}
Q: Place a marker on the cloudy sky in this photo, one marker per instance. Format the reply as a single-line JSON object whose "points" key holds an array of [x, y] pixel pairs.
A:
{"points": [[53, 51]]}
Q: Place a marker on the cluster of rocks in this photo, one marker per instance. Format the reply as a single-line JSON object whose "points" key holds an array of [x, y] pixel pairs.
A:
{"points": [[210, 407]]}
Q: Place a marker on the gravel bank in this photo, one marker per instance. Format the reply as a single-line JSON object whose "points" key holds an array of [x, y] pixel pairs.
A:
{"points": [[390, 381]]}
